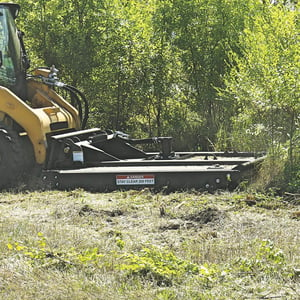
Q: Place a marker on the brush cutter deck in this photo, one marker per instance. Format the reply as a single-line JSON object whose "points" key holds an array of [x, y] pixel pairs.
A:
{"points": [[104, 161]]}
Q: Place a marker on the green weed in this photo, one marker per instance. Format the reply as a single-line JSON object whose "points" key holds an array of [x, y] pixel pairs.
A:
{"points": [[267, 260], [165, 268], [40, 254]]}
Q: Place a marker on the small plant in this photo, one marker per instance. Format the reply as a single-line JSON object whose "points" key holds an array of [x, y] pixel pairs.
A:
{"points": [[41, 254], [163, 267], [268, 259], [120, 243], [268, 253]]}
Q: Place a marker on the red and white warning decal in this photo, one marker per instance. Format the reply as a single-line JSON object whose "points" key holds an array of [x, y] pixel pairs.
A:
{"points": [[143, 179]]}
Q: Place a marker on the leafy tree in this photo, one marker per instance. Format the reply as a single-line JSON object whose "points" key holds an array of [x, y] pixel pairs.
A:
{"points": [[264, 85], [201, 33]]}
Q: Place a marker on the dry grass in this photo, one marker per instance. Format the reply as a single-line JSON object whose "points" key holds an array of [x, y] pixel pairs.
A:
{"points": [[140, 245]]}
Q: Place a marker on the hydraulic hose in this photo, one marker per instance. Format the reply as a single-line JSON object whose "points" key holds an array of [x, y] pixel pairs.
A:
{"points": [[81, 96], [75, 94], [75, 98]]}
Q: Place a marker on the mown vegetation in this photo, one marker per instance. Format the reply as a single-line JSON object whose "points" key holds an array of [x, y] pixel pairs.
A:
{"points": [[140, 245], [214, 74]]}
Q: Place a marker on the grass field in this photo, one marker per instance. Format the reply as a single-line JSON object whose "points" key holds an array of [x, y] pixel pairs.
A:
{"points": [[141, 245]]}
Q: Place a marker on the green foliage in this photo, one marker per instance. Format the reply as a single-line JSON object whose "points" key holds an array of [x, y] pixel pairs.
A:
{"points": [[160, 266], [144, 65], [268, 259], [41, 254], [268, 253], [293, 176], [163, 267], [264, 86]]}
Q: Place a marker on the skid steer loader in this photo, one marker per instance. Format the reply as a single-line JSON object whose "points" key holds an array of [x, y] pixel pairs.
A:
{"points": [[39, 127]]}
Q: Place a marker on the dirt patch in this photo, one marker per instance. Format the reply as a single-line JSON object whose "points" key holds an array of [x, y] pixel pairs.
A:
{"points": [[205, 216], [172, 225], [86, 210], [195, 219]]}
